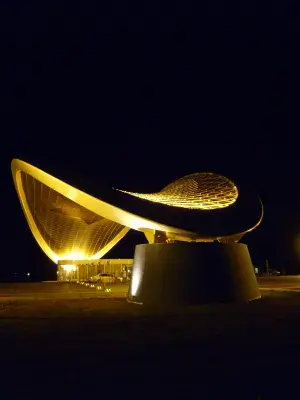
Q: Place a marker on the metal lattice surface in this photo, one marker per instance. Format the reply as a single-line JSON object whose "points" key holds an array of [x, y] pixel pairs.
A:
{"points": [[202, 191], [70, 230]]}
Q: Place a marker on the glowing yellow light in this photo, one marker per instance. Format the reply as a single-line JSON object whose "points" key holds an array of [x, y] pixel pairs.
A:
{"points": [[74, 255], [69, 268], [202, 191], [137, 273]]}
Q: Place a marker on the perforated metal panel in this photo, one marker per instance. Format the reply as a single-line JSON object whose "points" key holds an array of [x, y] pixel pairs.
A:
{"points": [[203, 191], [70, 230]]}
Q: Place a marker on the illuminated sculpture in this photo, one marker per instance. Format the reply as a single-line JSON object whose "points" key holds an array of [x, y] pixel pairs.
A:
{"points": [[202, 191], [70, 224]]}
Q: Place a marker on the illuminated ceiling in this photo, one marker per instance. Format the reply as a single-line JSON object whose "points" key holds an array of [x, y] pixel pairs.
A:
{"points": [[201, 191], [70, 230]]}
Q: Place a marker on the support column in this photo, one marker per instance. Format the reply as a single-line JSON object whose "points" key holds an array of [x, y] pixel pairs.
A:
{"points": [[192, 273]]}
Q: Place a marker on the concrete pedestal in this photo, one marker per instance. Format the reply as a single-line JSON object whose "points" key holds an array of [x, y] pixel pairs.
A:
{"points": [[192, 273]]}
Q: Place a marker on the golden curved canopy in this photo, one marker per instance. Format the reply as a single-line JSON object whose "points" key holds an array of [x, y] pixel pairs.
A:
{"points": [[70, 224]]}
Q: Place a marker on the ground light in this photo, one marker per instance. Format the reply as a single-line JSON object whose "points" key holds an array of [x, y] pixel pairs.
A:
{"points": [[107, 290]]}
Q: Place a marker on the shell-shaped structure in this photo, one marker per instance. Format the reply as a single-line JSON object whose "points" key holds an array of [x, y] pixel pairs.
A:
{"points": [[201, 191], [64, 228], [70, 224]]}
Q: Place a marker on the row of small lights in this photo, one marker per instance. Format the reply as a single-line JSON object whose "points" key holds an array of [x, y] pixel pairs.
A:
{"points": [[91, 285]]}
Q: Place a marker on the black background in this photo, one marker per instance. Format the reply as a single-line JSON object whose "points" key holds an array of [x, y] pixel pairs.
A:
{"points": [[138, 95]]}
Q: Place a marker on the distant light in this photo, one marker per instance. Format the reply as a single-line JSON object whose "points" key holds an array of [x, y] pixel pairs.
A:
{"points": [[28, 273]]}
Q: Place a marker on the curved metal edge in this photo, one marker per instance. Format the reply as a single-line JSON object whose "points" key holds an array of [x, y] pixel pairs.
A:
{"points": [[241, 234]]}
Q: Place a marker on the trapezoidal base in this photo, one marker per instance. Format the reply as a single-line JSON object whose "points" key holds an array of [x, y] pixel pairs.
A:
{"points": [[192, 273]]}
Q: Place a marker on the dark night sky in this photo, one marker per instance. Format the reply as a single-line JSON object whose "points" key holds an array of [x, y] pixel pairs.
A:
{"points": [[139, 96]]}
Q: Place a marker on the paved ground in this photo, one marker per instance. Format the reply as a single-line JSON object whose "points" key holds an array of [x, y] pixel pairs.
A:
{"points": [[66, 341], [279, 282], [55, 290]]}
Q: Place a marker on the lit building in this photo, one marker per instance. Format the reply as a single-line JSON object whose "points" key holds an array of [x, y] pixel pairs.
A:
{"points": [[84, 270], [73, 227]]}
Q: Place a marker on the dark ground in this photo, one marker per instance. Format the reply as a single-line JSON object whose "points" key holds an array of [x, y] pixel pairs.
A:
{"points": [[66, 346]]}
